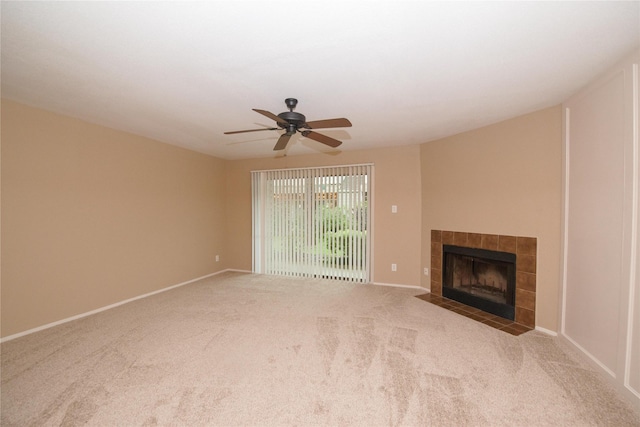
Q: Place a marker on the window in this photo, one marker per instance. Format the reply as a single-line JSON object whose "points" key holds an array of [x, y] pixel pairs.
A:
{"points": [[313, 222]]}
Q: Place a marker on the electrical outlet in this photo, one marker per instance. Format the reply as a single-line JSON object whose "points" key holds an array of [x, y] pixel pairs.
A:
{"points": [[426, 271], [394, 267], [217, 258], [394, 209]]}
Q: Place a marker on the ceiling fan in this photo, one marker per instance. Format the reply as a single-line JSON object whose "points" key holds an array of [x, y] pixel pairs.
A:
{"points": [[293, 122]]}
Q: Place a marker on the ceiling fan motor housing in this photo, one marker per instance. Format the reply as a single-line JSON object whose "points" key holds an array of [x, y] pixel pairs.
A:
{"points": [[293, 118]]}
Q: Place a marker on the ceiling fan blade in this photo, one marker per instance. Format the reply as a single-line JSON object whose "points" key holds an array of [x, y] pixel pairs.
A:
{"points": [[271, 116], [329, 123], [321, 138], [282, 142], [248, 130]]}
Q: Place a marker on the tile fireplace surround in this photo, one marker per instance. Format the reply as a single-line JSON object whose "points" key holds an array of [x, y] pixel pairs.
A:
{"points": [[525, 249]]}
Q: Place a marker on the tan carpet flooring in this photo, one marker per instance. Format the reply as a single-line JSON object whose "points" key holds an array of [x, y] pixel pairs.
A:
{"points": [[242, 349]]}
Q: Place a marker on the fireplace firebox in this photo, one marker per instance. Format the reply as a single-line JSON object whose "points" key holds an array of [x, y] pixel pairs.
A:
{"points": [[480, 278]]}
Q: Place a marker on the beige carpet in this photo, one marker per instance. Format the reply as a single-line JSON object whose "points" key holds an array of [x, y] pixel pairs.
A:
{"points": [[241, 349]]}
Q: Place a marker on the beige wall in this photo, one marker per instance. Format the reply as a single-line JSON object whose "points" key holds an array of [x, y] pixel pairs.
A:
{"points": [[501, 179], [396, 182], [92, 216]]}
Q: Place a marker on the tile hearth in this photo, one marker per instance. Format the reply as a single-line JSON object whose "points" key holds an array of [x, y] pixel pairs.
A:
{"points": [[476, 314]]}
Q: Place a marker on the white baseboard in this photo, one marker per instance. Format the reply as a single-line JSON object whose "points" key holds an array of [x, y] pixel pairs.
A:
{"points": [[546, 331], [607, 374], [397, 285], [98, 310], [594, 360]]}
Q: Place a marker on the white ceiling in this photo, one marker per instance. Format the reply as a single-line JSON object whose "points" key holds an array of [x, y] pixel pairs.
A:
{"points": [[402, 72]]}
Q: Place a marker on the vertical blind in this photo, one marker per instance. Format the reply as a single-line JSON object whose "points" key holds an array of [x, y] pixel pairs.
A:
{"points": [[313, 222]]}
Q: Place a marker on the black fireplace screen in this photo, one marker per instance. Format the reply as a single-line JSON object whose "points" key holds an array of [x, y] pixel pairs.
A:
{"points": [[480, 278]]}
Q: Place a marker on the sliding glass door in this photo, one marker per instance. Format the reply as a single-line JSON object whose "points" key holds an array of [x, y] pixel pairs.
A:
{"points": [[313, 222]]}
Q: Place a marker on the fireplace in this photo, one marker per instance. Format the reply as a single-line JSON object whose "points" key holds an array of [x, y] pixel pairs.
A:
{"points": [[524, 248], [480, 278]]}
